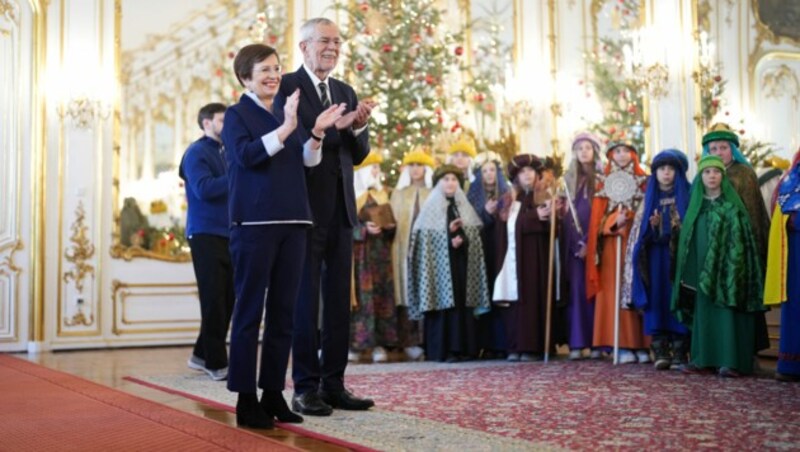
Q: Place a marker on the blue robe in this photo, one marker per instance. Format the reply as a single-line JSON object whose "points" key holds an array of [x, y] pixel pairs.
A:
{"points": [[789, 351], [658, 319]]}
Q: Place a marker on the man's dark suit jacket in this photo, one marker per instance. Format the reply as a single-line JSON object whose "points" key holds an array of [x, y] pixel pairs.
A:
{"points": [[341, 149]]}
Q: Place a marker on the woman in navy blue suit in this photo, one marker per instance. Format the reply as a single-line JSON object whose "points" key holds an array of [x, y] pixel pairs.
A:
{"points": [[270, 214]]}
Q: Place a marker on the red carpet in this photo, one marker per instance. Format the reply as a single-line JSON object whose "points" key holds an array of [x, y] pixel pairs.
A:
{"points": [[582, 405], [45, 410], [573, 405]]}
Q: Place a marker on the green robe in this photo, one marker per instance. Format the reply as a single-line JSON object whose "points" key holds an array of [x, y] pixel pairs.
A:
{"points": [[721, 336]]}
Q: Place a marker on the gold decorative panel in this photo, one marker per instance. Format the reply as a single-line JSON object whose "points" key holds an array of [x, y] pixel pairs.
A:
{"points": [[138, 308], [80, 253]]}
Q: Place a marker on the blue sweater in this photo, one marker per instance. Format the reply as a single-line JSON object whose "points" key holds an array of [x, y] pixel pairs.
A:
{"points": [[264, 189], [203, 170]]}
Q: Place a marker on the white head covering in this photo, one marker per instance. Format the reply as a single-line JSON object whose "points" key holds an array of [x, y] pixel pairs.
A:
{"points": [[405, 178], [433, 214], [363, 180]]}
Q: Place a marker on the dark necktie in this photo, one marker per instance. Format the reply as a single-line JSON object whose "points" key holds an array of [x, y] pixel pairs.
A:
{"points": [[323, 95]]}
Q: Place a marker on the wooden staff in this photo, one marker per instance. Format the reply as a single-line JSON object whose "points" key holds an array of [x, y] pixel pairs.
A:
{"points": [[617, 284], [550, 268]]}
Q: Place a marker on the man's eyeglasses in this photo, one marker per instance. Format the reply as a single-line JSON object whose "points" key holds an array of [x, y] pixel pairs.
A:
{"points": [[326, 41]]}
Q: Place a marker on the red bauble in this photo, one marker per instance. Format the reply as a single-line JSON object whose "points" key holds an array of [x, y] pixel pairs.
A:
{"points": [[479, 97], [632, 109], [360, 67], [272, 39], [717, 78], [399, 128], [715, 103], [741, 131], [387, 48], [459, 51], [612, 130], [364, 7], [416, 38], [429, 79]]}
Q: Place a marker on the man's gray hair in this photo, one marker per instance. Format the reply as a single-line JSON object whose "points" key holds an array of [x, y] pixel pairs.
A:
{"points": [[310, 26]]}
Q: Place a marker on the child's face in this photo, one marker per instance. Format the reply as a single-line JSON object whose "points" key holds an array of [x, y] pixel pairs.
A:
{"points": [[461, 160], [722, 149], [712, 178], [526, 177], [665, 174], [449, 184], [622, 156], [584, 151], [416, 171], [489, 173]]}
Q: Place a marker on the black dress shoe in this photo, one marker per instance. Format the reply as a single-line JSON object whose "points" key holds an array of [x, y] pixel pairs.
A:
{"points": [[345, 400], [311, 404], [274, 404], [250, 414]]}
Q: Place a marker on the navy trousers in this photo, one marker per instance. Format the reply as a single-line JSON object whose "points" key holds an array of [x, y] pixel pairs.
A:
{"points": [[268, 263], [214, 273], [333, 246]]}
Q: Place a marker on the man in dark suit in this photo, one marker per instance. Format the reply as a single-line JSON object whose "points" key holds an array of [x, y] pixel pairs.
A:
{"points": [[319, 378]]}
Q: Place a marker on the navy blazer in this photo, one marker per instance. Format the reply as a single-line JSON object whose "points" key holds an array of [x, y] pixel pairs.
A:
{"points": [[263, 188], [203, 170], [341, 149]]}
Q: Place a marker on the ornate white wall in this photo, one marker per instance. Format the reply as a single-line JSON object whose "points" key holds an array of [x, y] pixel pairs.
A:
{"points": [[61, 288]]}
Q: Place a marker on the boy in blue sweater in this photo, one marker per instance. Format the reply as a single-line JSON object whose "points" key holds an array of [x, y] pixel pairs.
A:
{"points": [[204, 171]]}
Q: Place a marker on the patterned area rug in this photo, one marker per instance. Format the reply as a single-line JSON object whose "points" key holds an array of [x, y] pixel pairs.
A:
{"points": [[569, 405], [48, 410]]}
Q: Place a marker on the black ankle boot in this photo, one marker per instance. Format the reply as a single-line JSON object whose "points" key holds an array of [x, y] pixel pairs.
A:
{"points": [[273, 403], [250, 414], [661, 351]]}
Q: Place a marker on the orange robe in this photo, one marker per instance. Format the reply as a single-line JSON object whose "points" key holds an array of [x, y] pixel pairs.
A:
{"points": [[631, 332]]}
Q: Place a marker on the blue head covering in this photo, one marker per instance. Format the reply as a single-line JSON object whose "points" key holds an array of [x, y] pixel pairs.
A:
{"points": [[477, 195], [681, 186], [789, 190]]}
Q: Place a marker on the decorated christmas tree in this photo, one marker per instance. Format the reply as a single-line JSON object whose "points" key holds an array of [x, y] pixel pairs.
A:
{"points": [[401, 55], [619, 95]]}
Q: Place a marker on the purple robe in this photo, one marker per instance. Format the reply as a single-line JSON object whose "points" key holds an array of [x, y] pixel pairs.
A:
{"points": [[580, 312]]}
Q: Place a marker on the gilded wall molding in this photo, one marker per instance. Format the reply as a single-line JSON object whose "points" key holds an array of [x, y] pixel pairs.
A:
{"points": [[7, 266], [781, 81], [80, 252], [765, 34], [122, 291], [8, 13]]}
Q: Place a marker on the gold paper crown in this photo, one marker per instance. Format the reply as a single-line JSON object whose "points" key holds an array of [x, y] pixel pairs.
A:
{"points": [[419, 155], [465, 145], [372, 158], [778, 162], [157, 206]]}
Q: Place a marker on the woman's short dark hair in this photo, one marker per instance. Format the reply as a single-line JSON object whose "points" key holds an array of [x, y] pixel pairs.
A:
{"points": [[249, 56]]}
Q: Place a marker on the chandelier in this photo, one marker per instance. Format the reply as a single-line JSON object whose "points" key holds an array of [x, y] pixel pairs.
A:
{"points": [[83, 110], [643, 61]]}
